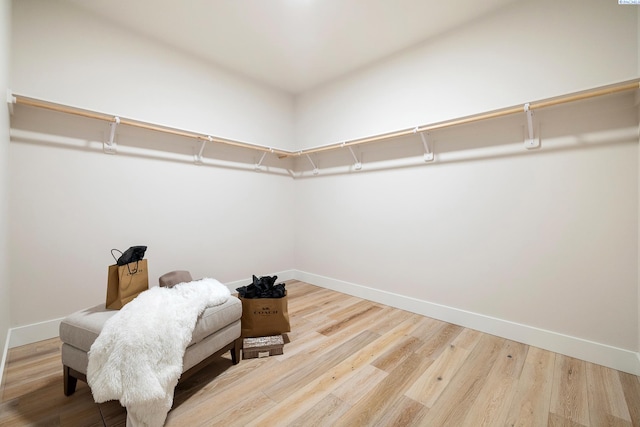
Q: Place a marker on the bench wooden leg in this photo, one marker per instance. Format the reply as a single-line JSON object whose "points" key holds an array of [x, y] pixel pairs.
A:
{"points": [[69, 381], [235, 351]]}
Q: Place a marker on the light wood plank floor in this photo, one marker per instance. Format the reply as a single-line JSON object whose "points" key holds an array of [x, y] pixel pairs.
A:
{"points": [[352, 362]]}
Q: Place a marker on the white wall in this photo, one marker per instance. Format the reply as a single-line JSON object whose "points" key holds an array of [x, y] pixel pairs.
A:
{"points": [[66, 55], [525, 52], [409, 231], [70, 204], [546, 239], [5, 302], [638, 57], [638, 39]]}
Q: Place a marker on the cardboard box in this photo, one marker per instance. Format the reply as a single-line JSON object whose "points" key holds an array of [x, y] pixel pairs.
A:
{"points": [[262, 346]]}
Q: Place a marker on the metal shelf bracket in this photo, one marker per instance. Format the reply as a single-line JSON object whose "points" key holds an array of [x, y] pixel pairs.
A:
{"points": [[197, 158], [11, 101], [358, 164], [315, 168], [531, 142], [110, 146], [428, 153]]}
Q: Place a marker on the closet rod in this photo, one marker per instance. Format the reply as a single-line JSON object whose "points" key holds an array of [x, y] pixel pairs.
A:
{"points": [[32, 102], [607, 90]]}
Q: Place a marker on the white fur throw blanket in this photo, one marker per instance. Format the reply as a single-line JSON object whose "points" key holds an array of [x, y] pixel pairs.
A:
{"points": [[137, 358]]}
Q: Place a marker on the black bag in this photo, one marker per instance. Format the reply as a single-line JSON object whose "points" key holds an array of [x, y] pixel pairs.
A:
{"points": [[133, 254]]}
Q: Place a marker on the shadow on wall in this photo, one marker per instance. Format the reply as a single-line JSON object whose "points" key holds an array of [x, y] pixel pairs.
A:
{"points": [[586, 124], [36, 126]]}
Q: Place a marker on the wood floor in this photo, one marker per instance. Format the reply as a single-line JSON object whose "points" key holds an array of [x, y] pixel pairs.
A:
{"points": [[352, 362]]}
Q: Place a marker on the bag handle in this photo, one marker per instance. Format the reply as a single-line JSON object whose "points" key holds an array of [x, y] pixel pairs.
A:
{"points": [[134, 271], [114, 257], [131, 273]]}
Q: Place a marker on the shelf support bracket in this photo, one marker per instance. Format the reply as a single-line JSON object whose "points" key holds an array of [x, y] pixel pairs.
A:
{"points": [[258, 166], [428, 154], [198, 159], [358, 164], [531, 142], [110, 146], [315, 168], [11, 101]]}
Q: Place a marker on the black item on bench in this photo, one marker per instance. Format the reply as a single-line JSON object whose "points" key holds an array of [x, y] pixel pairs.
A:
{"points": [[262, 287], [133, 254]]}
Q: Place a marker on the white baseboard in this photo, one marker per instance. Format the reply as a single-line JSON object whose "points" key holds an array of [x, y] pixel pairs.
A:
{"points": [[601, 354], [27, 334], [3, 363], [40, 331]]}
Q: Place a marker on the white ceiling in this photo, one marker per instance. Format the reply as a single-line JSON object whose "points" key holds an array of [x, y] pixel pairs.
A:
{"points": [[293, 45]]}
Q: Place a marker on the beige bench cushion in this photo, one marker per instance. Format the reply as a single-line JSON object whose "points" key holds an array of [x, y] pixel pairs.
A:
{"points": [[215, 318], [81, 328]]}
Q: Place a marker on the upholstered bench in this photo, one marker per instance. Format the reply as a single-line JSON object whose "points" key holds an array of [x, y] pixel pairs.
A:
{"points": [[216, 332]]}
